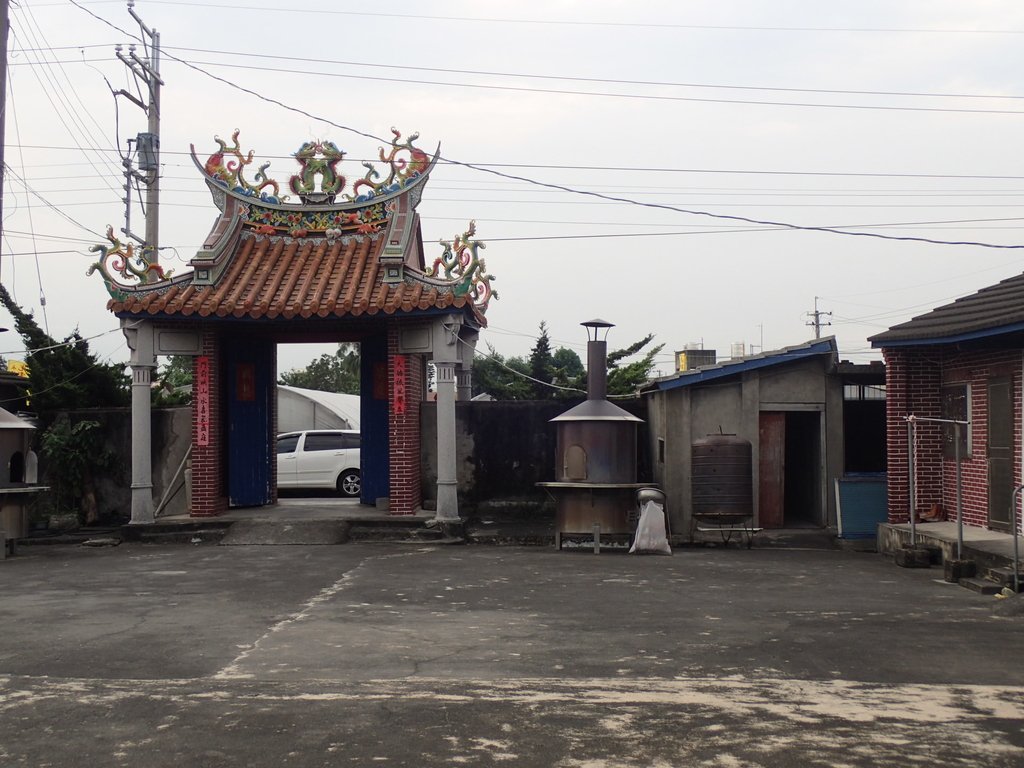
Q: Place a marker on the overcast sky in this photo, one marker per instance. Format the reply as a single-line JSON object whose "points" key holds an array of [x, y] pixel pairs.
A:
{"points": [[897, 118]]}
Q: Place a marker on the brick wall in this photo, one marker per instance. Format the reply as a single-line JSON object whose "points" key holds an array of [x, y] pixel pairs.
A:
{"points": [[913, 383], [914, 379], [405, 494], [209, 495], [975, 369]]}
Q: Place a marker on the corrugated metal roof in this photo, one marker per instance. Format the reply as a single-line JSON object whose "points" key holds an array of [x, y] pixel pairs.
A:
{"points": [[992, 311], [825, 346]]}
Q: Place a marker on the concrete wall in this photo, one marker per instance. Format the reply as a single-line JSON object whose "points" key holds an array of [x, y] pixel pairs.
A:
{"points": [[733, 406], [171, 437], [506, 447]]}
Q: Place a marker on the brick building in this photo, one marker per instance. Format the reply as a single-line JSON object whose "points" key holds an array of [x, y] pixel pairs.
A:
{"points": [[324, 264], [960, 362]]}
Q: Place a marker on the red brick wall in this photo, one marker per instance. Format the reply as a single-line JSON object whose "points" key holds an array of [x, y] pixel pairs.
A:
{"points": [[209, 496], [914, 377], [405, 494], [976, 369]]}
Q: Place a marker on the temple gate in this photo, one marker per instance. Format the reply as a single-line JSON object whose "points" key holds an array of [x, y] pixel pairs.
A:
{"points": [[319, 265]]}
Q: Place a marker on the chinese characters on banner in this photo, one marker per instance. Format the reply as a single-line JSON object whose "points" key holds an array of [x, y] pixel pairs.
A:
{"points": [[245, 383], [202, 385], [398, 392]]}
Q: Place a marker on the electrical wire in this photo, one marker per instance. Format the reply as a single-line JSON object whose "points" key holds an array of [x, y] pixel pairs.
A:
{"points": [[47, 203], [72, 124], [29, 206], [63, 343], [576, 79], [661, 25], [548, 166], [602, 94]]}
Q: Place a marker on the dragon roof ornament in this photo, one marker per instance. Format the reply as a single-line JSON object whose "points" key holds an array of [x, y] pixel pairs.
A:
{"points": [[462, 264], [119, 260], [382, 198], [318, 182]]}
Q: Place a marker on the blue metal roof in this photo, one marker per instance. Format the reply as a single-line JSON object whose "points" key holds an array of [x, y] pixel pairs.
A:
{"points": [[826, 346]]}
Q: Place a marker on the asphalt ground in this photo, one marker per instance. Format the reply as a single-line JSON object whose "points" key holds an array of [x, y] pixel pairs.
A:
{"points": [[411, 655]]}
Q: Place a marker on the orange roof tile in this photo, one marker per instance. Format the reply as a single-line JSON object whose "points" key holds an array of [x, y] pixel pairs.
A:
{"points": [[287, 277]]}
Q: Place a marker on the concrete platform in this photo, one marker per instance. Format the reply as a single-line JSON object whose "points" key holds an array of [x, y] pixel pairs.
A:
{"points": [[991, 550], [298, 520]]}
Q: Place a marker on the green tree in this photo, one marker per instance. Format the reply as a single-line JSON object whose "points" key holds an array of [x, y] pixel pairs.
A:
{"points": [[78, 449], [65, 376], [175, 379], [502, 379], [338, 372], [542, 366], [570, 372], [627, 378]]}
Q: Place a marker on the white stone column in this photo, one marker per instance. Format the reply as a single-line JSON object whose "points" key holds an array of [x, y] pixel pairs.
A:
{"points": [[447, 480], [139, 334], [464, 384]]}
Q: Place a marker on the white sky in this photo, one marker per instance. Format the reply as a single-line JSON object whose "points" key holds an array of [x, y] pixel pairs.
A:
{"points": [[806, 165]]}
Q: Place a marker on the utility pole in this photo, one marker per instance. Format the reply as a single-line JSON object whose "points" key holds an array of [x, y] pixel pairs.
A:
{"points": [[146, 71], [816, 319], [139, 333], [4, 26]]}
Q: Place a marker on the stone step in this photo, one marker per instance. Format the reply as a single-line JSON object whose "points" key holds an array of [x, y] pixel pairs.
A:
{"points": [[278, 532], [404, 533], [981, 586], [1004, 576]]}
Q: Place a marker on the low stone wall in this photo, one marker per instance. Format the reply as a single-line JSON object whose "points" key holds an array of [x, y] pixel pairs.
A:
{"points": [[172, 431]]}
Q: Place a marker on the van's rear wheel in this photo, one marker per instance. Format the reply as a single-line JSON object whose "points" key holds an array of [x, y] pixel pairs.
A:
{"points": [[349, 483]]}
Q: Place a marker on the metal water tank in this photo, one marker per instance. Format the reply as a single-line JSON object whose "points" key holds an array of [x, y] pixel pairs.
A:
{"points": [[722, 476]]}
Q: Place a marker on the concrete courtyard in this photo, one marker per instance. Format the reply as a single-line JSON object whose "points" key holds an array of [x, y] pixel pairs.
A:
{"points": [[410, 655]]}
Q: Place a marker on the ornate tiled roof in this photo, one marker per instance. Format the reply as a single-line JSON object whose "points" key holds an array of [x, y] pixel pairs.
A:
{"points": [[286, 277], [333, 254]]}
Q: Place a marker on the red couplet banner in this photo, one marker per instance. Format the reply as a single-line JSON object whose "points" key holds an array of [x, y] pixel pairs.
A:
{"points": [[202, 393]]}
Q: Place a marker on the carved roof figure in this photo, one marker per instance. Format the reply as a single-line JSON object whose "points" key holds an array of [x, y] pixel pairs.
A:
{"points": [[332, 253]]}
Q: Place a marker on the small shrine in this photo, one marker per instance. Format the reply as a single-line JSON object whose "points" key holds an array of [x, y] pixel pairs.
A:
{"points": [[320, 260]]}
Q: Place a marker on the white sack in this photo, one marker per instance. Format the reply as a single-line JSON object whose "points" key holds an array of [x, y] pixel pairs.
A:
{"points": [[650, 531]]}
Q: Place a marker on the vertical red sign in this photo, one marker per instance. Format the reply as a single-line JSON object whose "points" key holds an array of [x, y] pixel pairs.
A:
{"points": [[202, 385], [398, 387], [245, 383]]}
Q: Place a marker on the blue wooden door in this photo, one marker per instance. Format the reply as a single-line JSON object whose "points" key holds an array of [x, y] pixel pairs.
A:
{"points": [[249, 382], [373, 419]]}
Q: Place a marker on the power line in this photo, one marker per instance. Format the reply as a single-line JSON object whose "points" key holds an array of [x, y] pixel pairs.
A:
{"points": [[692, 212], [602, 80], [544, 166], [661, 25], [47, 203], [603, 94], [62, 106]]}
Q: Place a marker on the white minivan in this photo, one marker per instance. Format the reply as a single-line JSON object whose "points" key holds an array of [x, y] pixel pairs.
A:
{"points": [[322, 458]]}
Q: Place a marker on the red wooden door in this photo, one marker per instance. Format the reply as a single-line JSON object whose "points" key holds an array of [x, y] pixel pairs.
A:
{"points": [[772, 469]]}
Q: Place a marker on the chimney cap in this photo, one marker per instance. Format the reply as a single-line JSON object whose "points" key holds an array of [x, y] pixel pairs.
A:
{"points": [[598, 323]]}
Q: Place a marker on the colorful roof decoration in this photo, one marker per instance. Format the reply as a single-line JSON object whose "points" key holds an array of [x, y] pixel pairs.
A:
{"points": [[333, 252]]}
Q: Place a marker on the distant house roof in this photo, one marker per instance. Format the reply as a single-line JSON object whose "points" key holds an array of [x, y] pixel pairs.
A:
{"points": [[825, 346], [992, 311]]}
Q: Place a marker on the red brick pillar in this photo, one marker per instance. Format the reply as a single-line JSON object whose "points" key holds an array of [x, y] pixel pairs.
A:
{"points": [[406, 387], [912, 387], [208, 493]]}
